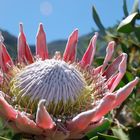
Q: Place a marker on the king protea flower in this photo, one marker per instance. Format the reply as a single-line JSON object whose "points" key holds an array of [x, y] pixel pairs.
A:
{"points": [[57, 98]]}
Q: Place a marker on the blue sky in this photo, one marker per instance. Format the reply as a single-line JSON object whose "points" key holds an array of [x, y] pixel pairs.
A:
{"points": [[59, 17]]}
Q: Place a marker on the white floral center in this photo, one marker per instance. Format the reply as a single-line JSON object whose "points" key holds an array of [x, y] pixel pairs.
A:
{"points": [[52, 80]]}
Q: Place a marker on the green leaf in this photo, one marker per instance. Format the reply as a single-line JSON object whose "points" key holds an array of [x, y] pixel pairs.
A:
{"points": [[135, 6], [129, 76], [122, 83], [107, 137], [118, 132], [2, 138], [99, 60], [124, 48], [94, 138], [125, 8], [127, 25], [105, 126], [97, 20]]}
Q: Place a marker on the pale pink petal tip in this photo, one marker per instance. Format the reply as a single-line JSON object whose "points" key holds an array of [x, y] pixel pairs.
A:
{"points": [[43, 119], [90, 52], [75, 32], [109, 53], [40, 26], [125, 91], [21, 27], [71, 47], [97, 34], [110, 48], [122, 66]]}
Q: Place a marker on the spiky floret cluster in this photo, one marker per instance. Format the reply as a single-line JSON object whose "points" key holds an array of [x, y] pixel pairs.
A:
{"points": [[67, 89], [59, 83], [59, 95]]}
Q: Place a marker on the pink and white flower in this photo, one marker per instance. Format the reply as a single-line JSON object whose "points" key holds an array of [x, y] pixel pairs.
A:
{"points": [[57, 98]]}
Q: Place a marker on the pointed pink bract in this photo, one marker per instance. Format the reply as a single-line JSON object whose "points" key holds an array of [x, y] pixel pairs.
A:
{"points": [[41, 44], [115, 79], [24, 52], [122, 70], [90, 52], [71, 47], [43, 119], [109, 53], [5, 59], [125, 91], [112, 68]]}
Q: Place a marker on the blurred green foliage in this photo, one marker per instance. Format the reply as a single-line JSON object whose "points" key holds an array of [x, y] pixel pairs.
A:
{"points": [[126, 34]]}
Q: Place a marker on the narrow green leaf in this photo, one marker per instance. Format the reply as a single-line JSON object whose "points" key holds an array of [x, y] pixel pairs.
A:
{"points": [[127, 25], [94, 138], [135, 7], [2, 138], [125, 8], [97, 20], [107, 137]]}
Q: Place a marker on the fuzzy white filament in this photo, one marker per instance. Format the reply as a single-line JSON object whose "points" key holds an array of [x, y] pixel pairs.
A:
{"points": [[52, 80]]}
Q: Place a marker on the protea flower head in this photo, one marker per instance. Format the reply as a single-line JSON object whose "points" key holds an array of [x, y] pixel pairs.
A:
{"points": [[57, 98]]}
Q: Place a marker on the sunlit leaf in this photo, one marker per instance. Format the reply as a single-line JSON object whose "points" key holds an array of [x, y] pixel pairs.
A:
{"points": [[97, 20], [107, 137], [118, 132], [125, 8], [2, 138], [127, 25], [135, 6], [94, 138]]}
